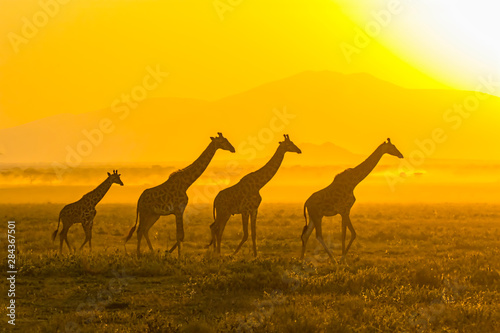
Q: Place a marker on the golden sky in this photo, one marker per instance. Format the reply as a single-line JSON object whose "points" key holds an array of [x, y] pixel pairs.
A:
{"points": [[79, 56], [86, 53]]}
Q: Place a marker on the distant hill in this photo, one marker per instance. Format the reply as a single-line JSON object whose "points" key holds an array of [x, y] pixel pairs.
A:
{"points": [[356, 112], [328, 154]]}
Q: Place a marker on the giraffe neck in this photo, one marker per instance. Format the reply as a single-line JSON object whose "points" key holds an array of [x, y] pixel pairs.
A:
{"points": [[262, 176], [195, 170], [99, 192], [363, 170]]}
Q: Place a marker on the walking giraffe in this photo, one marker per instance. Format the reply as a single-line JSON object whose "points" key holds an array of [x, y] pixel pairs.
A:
{"points": [[244, 198], [171, 198], [338, 198], [83, 211]]}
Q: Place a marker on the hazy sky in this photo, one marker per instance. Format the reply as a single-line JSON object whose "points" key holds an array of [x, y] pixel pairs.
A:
{"points": [[78, 56]]}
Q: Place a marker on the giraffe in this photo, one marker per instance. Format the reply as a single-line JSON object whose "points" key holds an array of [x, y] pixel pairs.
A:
{"points": [[171, 198], [338, 198], [83, 211], [244, 198]]}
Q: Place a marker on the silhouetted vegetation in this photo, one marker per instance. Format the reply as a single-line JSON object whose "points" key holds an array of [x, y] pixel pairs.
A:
{"points": [[413, 268]]}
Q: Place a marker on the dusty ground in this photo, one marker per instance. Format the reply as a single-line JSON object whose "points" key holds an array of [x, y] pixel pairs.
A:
{"points": [[413, 268]]}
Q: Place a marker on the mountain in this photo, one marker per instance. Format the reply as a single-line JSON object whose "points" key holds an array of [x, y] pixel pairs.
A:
{"points": [[355, 111], [328, 154]]}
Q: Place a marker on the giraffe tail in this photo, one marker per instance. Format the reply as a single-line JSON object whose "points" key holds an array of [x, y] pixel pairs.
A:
{"points": [[54, 234], [305, 217], [131, 232]]}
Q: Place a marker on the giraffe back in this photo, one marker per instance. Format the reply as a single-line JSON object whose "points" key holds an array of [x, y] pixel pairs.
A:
{"points": [[337, 198], [240, 198], [77, 212], [167, 198]]}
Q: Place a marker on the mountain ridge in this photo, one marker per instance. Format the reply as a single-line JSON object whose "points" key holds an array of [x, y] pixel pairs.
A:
{"points": [[354, 111]]}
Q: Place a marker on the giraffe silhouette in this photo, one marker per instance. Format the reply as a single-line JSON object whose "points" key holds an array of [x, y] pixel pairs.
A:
{"points": [[244, 198], [338, 198], [171, 198], [83, 211]]}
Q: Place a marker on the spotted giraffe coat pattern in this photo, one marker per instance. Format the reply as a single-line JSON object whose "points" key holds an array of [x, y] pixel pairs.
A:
{"points": [[171, 198], [338, 198], [244, 198], [83, 211]]}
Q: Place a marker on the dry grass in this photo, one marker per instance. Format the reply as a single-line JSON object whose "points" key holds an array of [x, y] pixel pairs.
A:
{"points": [[413, 268]]}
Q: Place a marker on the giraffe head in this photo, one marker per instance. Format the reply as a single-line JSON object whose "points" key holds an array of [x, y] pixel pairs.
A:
{"points": [[391, 149], [288, 145], [115, 177], [221, 142]]}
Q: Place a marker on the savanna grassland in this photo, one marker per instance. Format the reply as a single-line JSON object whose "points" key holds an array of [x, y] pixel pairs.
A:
{"points": [[412, 268]]}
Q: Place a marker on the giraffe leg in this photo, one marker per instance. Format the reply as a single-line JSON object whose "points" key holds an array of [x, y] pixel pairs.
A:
{"points": [[61, 240], [87, 228], [253, 226], [319, 236], [91, 224], [244, 219], [140, 233], [344, 231], [214, 237], [71, 248], [63, 236], [146, 236], [179, 223], [88, 234], [90, 240], [139, 238], [351, 229], [220, 224], [214, 229], [173, 247], [145, 223], [176, 245], [305, 238]]}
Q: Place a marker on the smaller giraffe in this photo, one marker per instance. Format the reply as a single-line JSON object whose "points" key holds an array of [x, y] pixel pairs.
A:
{"points": [[83, 211], [244, 198], [338, 198]]}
